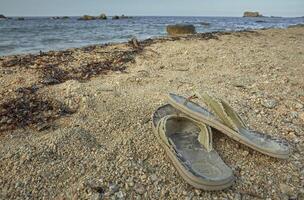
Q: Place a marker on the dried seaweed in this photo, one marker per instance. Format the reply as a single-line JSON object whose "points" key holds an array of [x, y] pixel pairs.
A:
{"points": [[27, 108]]}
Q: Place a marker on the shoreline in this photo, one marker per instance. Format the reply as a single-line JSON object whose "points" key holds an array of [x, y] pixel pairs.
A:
{"points": [[76, 123], [148, 39]]}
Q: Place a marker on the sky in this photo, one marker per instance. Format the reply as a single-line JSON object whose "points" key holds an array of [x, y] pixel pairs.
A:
{"points": [[286, 8]]}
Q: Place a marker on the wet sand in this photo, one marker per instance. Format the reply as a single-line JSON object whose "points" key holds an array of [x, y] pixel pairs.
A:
{"points": [[76, 123]]}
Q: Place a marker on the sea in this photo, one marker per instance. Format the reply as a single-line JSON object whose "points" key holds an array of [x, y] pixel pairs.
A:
{"points": [[35, 34]]}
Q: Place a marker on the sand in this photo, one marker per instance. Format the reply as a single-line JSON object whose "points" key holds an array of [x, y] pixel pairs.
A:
{"points": [[75, 124]]}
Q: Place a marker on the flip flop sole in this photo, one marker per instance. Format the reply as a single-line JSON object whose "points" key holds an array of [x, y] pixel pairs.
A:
{"points": [[186, 174], [224, 129]]}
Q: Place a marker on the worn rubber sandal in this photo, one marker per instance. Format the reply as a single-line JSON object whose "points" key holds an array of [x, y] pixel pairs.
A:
{"points": [[189, 146], [230, 123]]}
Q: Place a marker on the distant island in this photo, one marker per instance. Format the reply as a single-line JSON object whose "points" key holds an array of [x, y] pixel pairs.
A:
{"points": [[252, 14], [102, 17]]}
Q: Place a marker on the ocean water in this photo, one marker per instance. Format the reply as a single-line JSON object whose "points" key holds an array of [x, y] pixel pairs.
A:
{"points": [[36, 34]]}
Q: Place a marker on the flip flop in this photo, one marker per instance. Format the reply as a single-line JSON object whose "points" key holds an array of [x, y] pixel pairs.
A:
{"points": [[189, 146], [230, 123]]}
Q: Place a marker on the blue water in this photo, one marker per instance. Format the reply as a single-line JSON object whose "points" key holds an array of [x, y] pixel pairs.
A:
{"points": [[36, 34]]}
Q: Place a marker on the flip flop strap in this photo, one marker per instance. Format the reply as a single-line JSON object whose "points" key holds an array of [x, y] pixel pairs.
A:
{"points": [[224, 112], [204, 136]]}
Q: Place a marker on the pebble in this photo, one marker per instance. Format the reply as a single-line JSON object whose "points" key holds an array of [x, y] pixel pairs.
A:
{"points": [[113, 188], [139, 189], [119, 195], [286, 189], [153, 177], [245, 153], [301, 115]]}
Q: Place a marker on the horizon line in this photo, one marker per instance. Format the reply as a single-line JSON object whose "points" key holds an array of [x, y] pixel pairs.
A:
{"points": [[148, 16]]}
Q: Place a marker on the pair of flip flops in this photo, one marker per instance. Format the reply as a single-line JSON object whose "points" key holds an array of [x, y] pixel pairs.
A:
{"points": [[183, 128]]}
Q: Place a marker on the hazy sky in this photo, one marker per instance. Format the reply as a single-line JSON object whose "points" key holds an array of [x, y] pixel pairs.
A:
{"points": [[150, 7]]}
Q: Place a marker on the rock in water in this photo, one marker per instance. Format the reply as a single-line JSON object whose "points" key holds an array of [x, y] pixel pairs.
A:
{"points": [[179, 29], [115, 17], [2, 17], [205, 23], [87, 17], [21, 18], [102, 16], [252, 14]]}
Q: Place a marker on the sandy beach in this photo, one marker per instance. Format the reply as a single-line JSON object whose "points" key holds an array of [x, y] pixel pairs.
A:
{"points": [[75, 124]]}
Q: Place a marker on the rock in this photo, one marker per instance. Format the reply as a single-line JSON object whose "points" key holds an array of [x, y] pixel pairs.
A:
{"points": [[301, 196], [21, 18], [286, 189], [270, 103], [205, 23], [96, 186], [102, 16], [180, 29], [87, 17], [252, 14], [301, 116], [139, 189], [50, 81], [245, 153], [124, 17], [96, 196], [2, 17], [64, 17], [113, 188], [153, 177], [119, 195], [115, 17], [260, 21]]}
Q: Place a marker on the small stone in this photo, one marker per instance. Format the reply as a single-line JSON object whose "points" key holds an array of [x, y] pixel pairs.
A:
{"points": [[113, 188], [301, 115], [286, 189], [299, 105], [153, 177], [301, 196], [119, 195], [245, 153], [270, 103], [50, 81], [197, 192], [139, 189], [96, 196], [292, 135]]}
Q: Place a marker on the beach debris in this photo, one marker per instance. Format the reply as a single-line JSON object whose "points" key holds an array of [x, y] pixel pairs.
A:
{"points": [[180, 29], [252, 14]]}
